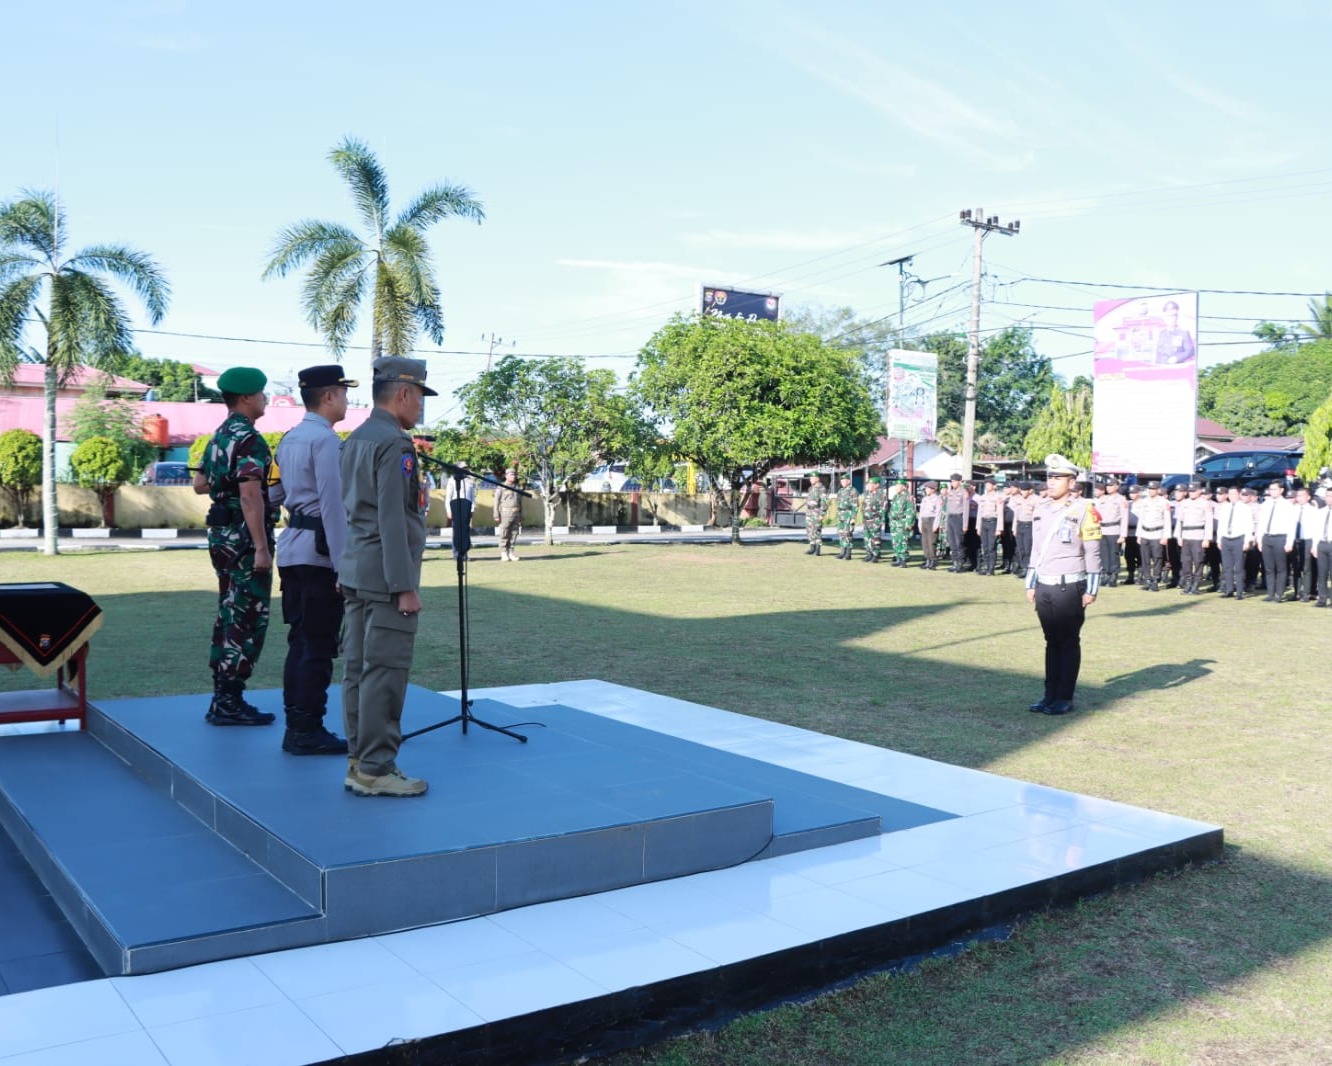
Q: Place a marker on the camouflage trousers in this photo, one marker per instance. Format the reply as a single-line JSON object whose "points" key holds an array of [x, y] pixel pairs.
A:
{"points": [[242, 612], [846, 532], [814, 527], [901, 534], [873, 536]]}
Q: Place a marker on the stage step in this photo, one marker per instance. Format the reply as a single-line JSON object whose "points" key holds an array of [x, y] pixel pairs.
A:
{"points": [[141, 880]]}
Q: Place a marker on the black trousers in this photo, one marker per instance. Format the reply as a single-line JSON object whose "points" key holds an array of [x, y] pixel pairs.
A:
{"points": [[1059, 607], [1232, 564], [989, 532], [1301, 573], [1132, 555], [1022, 547], [1110, 554], [1274, 564], [1190, 563], [1153, 554], [1323, 584], [1007, 545], [312, 609], [955, 541]]}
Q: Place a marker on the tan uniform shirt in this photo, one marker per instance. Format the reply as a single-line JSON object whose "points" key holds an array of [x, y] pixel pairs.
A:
{"points": [[1153, 517], [1066, 541], [1112, 507], [1193, 520]]}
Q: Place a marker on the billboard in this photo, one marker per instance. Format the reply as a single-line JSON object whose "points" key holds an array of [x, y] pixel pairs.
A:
{"points": [[1145, 384], [913, 394], [736, 303]]}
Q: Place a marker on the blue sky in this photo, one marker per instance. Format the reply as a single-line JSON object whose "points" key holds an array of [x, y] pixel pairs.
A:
{"points": [[626, 153]]}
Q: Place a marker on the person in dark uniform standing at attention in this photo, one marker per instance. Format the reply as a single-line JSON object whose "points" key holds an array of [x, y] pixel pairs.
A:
{"points": [[1132, 550], [990, 521], [508, 516], [234, 474], [1112, 511], [848, 502], [1153, 517], [310, 487], [380, 574], [1063, 580], [1193, 531], [1234, 532], [816, 506], [958, 509], [927, 518]]}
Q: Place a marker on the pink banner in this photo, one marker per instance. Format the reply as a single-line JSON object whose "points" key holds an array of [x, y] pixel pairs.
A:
{"points": [[1146, 384]]}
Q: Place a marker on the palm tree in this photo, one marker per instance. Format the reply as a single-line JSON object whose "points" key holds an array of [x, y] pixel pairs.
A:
{"points": [[392, 261], [1321, 313], [69, 298]]}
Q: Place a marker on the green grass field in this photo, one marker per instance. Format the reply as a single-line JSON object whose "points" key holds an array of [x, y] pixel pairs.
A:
{"points": [[1194, 705]]}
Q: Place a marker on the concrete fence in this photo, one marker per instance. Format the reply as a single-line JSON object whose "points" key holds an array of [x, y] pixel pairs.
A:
{"points": [[179, 507]]}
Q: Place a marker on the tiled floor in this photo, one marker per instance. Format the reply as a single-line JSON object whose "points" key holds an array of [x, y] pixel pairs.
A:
{"points": [[312, 1004]]}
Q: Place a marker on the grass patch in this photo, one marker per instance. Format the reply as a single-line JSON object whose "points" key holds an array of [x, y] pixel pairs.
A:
{"points": [[1183, 707]]}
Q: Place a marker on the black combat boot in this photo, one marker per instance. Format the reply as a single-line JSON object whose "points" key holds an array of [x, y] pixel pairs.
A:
{"points": [[306, 735], [230, 708], [818, 549]]}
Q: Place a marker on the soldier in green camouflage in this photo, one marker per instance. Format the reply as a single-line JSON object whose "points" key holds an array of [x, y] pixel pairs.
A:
{"points": [[816, 506], [848, 502], [234, 474], [901, 521], [873, 505]]}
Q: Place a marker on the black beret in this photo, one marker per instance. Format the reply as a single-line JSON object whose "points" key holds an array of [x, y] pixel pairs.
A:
{"points": [[314, 377]]}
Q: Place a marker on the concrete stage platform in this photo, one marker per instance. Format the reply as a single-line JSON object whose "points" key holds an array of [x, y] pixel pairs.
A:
{"points": [[641, 863]]}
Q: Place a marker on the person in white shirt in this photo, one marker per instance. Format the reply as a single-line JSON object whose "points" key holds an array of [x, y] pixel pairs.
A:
{"points": [[1235, 533], [1321, 550], [1276, 533], [1302, 565]]}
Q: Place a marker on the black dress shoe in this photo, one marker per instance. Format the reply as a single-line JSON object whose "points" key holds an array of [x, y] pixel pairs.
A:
{"points": [[1239, 595], [1039, 706], [1059, 707]]}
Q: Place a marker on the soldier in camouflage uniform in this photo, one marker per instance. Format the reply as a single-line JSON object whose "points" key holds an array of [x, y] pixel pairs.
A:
{"points": [[235, 473], [901, 521], [848, 502], [873, 504], [816, 506]]}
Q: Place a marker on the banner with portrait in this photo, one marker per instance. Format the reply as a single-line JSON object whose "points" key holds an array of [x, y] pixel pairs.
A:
{"points": [[913, 394], [1145, 397]]}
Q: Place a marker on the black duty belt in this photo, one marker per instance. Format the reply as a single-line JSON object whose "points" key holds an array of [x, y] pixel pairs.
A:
{"points": [[1192, 529], [1110, 525], [1151, 529]]}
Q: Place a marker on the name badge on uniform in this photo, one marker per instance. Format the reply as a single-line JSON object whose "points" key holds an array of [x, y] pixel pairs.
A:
{"points": [[1065, 533]]}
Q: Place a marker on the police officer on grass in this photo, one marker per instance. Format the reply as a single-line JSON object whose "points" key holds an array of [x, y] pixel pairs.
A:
{"points": [[380, 574], [234, 475], [310, 487], [1062, 580]]}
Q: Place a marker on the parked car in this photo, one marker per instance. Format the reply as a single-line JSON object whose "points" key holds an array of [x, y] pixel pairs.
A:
{"points": [[166, 473], [608, 477], [1249, 468]]}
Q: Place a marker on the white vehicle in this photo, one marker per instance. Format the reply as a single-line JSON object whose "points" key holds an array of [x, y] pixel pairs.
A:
{"points": [[608, 477]]}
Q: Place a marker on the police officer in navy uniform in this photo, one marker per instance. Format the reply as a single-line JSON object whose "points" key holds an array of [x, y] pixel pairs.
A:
{"points": [[310, 487], [1063, 580], [380, 574]]}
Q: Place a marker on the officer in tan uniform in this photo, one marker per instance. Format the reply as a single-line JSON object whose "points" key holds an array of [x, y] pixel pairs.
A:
{"points": [[1111, 507], [380, 574], [1153, 513], [1063, 580], [1193, 530]]}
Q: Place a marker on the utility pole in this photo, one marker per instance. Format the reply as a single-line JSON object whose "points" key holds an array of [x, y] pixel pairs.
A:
{"points": [[494, 342], [983, 226]]}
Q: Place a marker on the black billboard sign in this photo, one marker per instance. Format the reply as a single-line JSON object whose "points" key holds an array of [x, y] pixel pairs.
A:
{"points": [[736, 303]]}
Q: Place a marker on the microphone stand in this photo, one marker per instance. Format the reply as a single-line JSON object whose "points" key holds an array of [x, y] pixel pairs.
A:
{"points": [[460, 512]]}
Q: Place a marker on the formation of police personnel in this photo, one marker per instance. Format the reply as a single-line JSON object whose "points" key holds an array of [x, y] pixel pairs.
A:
{"points": [[349, 558], [1236, 541]]}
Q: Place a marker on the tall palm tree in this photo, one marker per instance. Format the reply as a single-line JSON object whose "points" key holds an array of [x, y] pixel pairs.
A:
{"points": [[70, 300], [391, 261], [1321, 313]]}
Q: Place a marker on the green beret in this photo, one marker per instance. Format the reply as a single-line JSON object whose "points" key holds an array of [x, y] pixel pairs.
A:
{"points": [[242, 380]]}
